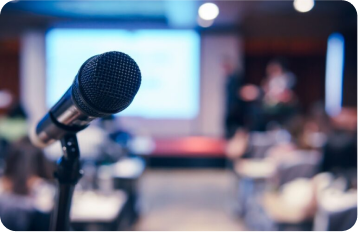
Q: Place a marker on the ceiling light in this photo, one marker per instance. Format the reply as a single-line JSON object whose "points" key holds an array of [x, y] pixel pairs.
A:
{"points": [[208, 11], [303, 5]]}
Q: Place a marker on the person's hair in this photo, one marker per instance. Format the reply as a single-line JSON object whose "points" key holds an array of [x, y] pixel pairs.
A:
{"points": [[17, 111], [280, 61], [24, 161]]}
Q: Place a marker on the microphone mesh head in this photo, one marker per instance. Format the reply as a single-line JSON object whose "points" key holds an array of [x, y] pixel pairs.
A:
{"points": [[106, 84]]}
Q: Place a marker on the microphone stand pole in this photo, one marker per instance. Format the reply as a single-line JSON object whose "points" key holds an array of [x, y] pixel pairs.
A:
{"points": [[68, 174]]}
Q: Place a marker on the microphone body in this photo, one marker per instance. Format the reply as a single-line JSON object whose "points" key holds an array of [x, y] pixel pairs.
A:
{"points": [[64, 117], [105, 84]]}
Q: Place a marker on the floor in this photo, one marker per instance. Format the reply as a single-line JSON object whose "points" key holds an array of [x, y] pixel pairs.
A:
{"points": [[187, 200]]}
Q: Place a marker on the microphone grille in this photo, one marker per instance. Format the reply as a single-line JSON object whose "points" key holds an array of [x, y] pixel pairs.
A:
{"points": [[107, 84]]}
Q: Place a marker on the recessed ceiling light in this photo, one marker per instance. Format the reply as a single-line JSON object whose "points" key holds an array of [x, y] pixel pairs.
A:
{"points": [[208, 11], [303, 5]]}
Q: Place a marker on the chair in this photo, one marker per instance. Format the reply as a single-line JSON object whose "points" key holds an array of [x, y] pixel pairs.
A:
{"points": [[290, 208], [19, 213], [304, 164], [337, 209]]}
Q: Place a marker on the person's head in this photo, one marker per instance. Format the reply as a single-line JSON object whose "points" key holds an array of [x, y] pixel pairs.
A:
{"points": [[23, 163], [276, 67], [345, 120], [17, 111]]}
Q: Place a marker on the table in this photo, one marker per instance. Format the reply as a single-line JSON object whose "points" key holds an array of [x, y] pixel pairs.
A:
{"points": [[254, 168], [93, 210]]}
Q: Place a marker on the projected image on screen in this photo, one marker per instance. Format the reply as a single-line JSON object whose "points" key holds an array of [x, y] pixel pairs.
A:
{"points": [[168, 60]]}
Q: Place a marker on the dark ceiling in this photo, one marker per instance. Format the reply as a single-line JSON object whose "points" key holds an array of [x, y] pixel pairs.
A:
{"points": [[254, 18]]}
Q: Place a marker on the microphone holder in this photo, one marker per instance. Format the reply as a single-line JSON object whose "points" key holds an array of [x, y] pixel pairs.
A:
{"points": [[68, 174]]}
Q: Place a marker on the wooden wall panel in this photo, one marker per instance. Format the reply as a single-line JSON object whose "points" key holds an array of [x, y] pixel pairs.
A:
{"points": [[9, 68]]}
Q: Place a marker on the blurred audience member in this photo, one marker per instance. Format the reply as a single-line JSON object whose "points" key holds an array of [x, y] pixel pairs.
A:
{"points": [[307, 133], [112, 126], [26, 195], [340, 152]]}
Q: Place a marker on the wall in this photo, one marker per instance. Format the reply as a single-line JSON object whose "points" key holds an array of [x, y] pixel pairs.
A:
{"points": [[9, 69], [208, 123], [215, 49], [33, 74]]}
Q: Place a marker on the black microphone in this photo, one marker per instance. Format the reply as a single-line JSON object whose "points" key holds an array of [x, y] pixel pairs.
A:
{"points": [[105, 84]]}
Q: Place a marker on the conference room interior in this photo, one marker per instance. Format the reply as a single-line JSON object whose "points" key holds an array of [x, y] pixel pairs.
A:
{"points": [[246, 118]]}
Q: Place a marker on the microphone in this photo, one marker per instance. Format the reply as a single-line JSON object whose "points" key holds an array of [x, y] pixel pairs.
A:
{"points": [[105, 84]]}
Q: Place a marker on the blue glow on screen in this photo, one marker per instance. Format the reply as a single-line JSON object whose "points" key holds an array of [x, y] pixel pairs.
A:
{"points": [[168, 60]]}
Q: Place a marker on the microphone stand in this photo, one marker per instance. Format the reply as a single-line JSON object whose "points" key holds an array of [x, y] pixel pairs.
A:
{"points": [[68, 174]]}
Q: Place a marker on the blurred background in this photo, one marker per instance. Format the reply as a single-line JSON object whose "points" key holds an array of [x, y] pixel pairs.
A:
{"points": [[246, 118]]}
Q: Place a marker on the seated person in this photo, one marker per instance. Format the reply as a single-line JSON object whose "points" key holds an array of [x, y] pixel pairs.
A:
{"points": [[26, 196]]}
